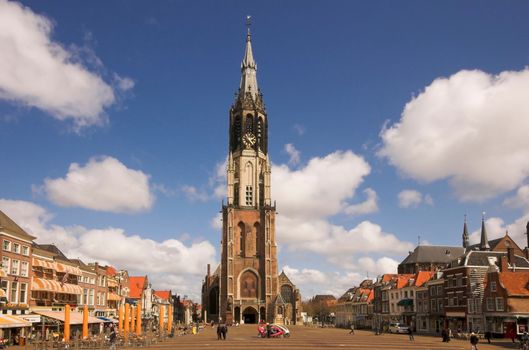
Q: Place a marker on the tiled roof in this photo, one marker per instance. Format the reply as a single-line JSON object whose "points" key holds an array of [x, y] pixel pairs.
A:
{"points": [[481, 258], [422, 277], [136, 286], [163, 294], [7, 224], [433, 253], [402, 280], [515, 283], [111, 271], [52, 248], [518, 305]]}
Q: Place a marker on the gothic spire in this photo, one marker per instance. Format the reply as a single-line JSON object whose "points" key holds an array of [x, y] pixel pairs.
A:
{"points": [[248, 68], [465, 234], [484, 243]]}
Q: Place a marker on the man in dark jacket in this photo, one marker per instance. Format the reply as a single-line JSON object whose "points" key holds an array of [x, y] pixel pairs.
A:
{"points": [[474, 341]]}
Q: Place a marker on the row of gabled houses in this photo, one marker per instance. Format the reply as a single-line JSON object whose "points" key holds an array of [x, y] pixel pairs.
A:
{"points": [[38, 280], [482, 287]]}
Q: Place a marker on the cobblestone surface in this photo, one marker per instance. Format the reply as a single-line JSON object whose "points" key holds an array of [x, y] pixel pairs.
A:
{"points": [[245, 337]]}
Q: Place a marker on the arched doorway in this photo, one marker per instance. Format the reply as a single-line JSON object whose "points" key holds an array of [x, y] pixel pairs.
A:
{"points": [[249, 315]]}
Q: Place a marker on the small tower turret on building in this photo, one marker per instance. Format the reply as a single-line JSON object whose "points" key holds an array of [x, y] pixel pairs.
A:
{"points": [[465, 234], [484, 243]]}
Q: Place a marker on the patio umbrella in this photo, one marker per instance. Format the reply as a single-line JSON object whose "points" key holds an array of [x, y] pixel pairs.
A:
{"points": [[132, 315], [161, 317], [120, 320], [85, 322], [127, 320], [67, 323], [170, 319], [138, 320]]}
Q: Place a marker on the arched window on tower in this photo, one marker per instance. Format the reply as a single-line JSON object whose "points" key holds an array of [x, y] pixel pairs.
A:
{"points": [[249, 123], [260, 132], [236, 132], [241, 238]]}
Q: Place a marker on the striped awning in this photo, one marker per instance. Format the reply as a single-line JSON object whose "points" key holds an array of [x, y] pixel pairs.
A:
{"points": [[2, 273], [8, 321], [72, 270], [113, 297], [41, 284], [50, 265]]}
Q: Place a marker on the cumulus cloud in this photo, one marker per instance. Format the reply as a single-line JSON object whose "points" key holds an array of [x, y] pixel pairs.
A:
{"points": [[409, 198], [293, 153], [366, 207], [496, 228], [309, 196], [469, 128], [194, 194], [321, 188], [103, 184], [166, 262], [124, 83], [39, 72], [520, 199]]}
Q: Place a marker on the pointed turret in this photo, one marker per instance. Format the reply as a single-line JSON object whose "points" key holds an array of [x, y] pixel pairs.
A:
{"points": [[465, 234], [248, 69], [484, 243]]}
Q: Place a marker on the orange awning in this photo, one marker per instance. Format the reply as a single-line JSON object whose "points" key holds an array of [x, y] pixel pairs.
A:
{"points": [[72, 270], [44, 263], [113, 297], [46, 285], [2, 273], [8, 321], [75, 317]]}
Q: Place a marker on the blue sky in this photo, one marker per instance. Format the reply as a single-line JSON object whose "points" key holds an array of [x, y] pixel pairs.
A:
{"points": [[138, 95]]}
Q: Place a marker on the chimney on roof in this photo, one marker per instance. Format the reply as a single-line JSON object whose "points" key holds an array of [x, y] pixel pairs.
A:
{"points": [[510, 255], [504, 263]]}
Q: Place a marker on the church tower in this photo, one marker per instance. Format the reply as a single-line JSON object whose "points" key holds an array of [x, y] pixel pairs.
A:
{"points": [[248, 275], [246, 287]]}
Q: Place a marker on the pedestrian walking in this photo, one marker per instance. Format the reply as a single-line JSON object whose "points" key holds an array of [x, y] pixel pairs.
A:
{"points": [[444, 335], [352, 331], [474, 341], [112, 337], [224, 331], [410, 333], [488, 335], [219, 330]]}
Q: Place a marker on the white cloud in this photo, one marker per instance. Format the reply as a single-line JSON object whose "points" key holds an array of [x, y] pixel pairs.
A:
{"points": [[103, 184], [193, 194], [377, 267], [308, 196], [38, 72], [124, 83], [367, 207], [216, 222], [469, 128], [520, 199], [167, 262], [321, 188], [300, 129], [496, 228], [293, 153], [428, 199], [409, 198]]}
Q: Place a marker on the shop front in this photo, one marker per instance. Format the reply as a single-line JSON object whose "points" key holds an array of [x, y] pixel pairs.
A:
{"points": [[456, 321], [14, 329]]}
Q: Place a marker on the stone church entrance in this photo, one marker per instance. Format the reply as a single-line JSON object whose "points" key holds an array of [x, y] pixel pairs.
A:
{"points": [[249, 315]]}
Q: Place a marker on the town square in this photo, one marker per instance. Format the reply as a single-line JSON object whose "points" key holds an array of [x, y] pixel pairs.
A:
{"points": [[250, 175]]}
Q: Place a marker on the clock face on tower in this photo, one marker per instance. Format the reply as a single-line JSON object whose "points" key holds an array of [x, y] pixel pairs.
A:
{"points": [[248, 139]]}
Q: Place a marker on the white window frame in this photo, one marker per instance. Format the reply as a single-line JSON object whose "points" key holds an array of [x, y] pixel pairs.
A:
{"points": [[8, 249], [22, 273], [500, 304], [493, 287], [25, 250], [15, 267], [6, 267], [16, 293], [490, 304], [25, 292], [16, 248]]}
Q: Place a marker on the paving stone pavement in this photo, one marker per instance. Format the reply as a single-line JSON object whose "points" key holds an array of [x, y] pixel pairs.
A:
{"points": [[245, 337]]}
